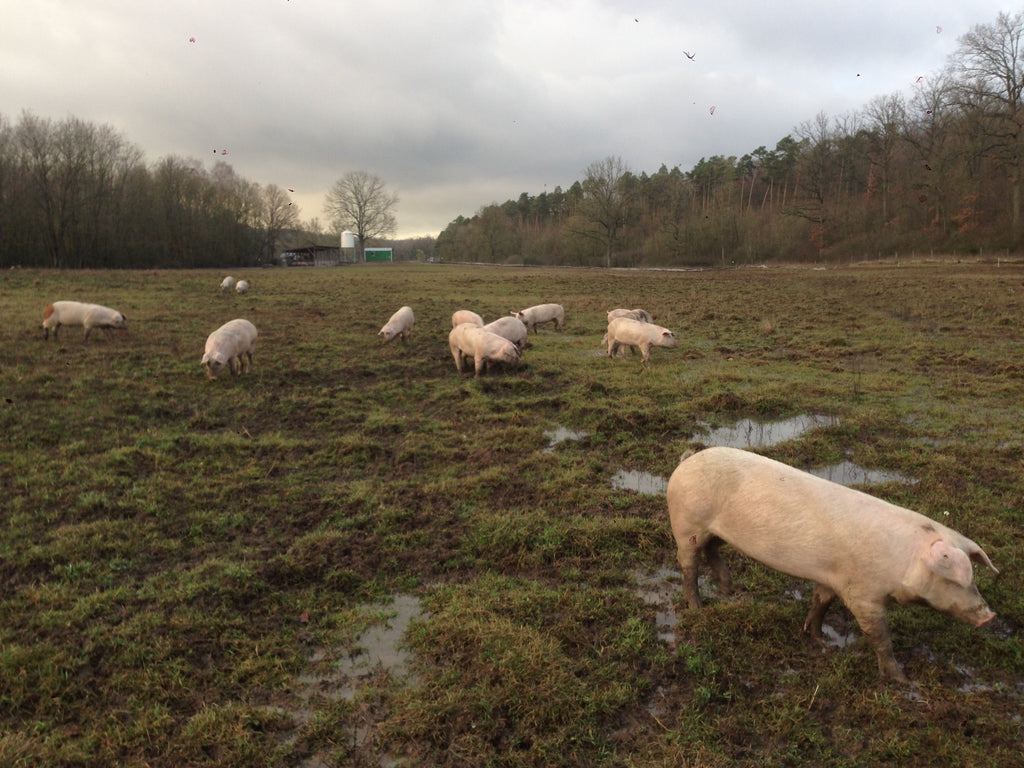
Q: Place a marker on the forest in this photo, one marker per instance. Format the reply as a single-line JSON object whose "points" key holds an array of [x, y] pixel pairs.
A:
{"points": [[76, 195], [937, 169]]}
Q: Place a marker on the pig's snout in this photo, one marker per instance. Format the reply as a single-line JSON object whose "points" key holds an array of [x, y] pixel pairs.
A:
{"points": [[984, 618]]}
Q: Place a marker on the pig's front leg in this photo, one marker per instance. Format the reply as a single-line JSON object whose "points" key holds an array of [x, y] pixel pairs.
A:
{"points": [[872, 621]]}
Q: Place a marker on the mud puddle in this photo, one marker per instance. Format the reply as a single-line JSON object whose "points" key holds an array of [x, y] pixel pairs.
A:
{"points": [[338, 674], [747, 433], [657, 589], [640, 482], [847, 473], [559, 435]]}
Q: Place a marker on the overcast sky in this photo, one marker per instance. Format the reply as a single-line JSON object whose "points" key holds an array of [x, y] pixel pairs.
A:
{"points": [[457, 104]]}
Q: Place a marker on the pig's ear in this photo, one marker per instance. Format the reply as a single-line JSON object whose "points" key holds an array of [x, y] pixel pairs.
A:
{"points": [[977, 554], [950, 562]]}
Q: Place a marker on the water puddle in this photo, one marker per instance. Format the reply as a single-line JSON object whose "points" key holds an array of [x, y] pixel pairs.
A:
{"points": [[378, 647], [836, 638], [336, 674], [560, 435], [640, 482], [844, 473], [757, 434], [657, 589], [847, 473], [748, 434]]}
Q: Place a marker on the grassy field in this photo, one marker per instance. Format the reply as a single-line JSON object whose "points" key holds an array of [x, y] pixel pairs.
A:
{"points": [[193, 572]]}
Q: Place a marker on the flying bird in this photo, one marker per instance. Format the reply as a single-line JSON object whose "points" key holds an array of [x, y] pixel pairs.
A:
{"points": [[689, 55], [938, 30], [712, 110]]}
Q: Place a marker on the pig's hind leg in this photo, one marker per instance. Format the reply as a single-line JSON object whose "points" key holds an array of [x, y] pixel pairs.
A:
{"points": [[719, 570], [689, 552]]}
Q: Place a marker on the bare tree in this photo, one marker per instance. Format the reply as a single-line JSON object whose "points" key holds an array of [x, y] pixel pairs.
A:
{"points": [[887, 117], [990, 59], [276, 214], [602, 212], [360, 202]]}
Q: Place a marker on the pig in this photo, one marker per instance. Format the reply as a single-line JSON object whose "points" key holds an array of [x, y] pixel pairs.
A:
{"points": [[242, 286], [510, 328], [531, 317], [227, 283], [232, 346], [466, 316], [88, 316], [634, 333], [486, 348], [852, 545], [633, 314], [400, 324]]}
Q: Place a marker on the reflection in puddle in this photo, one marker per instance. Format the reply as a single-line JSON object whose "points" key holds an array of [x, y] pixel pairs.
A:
{"points": [[755, 434], [836, 638], [847, 473], [641, 482], [657, 589], [560, 435], [379, 644], [376, 648]]}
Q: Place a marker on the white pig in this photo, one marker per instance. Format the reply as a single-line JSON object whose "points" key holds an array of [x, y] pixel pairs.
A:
{"points": [[634, 333], [531, 317], [232, 346], [851, 545], [400, 324], [510, 328], [486, 348], [88, 316], [227, 283], [633, 314], [242, 286], [466, 316]]}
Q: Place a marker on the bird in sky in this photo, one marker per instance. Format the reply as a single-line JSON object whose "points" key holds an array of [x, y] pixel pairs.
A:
{"points": [[689, 55]]}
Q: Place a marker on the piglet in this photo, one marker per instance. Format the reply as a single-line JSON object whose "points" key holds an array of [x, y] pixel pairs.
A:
{"points": [[633, 314], [466, 316], [486, 348], [850, 544], [231, 346], [624, 331], [510, 328], [400, 324], [531, 317], [75, 313]]}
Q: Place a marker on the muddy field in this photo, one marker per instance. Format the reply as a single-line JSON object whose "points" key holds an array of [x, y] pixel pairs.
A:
{"points": [[356, 556]]}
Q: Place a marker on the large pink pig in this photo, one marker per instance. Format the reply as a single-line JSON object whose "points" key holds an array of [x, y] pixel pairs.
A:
{"points": [[851, 545]]}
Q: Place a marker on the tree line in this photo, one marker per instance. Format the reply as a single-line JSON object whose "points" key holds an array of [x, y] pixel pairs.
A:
{"points": [[938, 170], [73, 195]]}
